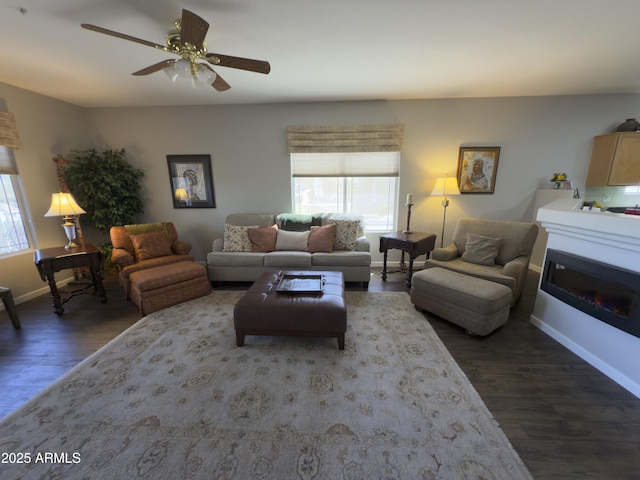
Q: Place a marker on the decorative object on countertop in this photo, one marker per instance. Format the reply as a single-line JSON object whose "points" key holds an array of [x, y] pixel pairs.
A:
{"points": [[561, 181], [629, 125], [632, 211], [593, 206]]}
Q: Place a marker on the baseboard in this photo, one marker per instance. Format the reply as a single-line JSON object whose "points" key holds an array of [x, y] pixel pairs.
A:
{"points": [[588, 357], [36, 293]]}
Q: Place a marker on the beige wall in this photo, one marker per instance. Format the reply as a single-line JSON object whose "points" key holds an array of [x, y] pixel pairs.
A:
{"points": [[47, 128], [247, 144]]}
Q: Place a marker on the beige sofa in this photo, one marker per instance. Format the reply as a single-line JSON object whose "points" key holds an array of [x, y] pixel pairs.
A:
{"points": [[352, 257]]}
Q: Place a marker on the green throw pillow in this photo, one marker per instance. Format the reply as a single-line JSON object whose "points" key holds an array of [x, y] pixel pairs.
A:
{"points": [[295, 222]]}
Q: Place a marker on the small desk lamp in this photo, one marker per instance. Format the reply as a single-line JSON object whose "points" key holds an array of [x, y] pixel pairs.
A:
{"points": [[445, 186], [64, 205]]}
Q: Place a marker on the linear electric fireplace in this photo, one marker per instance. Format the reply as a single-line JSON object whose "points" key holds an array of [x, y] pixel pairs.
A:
{"points": [[603, 291]]}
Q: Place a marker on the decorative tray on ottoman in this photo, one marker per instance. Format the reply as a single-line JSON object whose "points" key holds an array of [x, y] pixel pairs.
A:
{"points": [[308, 283]]}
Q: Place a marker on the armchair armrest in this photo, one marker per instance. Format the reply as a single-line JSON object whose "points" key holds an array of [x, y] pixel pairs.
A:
{"points": [[121, 257], [363, 244], [445, 253], [515, 267], [181, 247], [218, 243]]}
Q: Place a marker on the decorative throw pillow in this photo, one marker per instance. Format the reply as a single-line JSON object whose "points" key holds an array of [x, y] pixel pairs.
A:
{"points": [[321, 239], [263, 239], [293, 241], [236, 238], [295, 222], [346, 234], [151, 245], [481, 250]]}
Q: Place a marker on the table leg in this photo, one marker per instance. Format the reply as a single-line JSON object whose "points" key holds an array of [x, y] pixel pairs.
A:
{"points": [[410, 272], [98, 285], [384, 266], [55, 295]]}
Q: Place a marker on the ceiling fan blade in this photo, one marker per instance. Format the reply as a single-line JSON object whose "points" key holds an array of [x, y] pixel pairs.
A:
{"points": [[258, 66], [219, 84], [124, 36], [155, 67], [193, 29]]}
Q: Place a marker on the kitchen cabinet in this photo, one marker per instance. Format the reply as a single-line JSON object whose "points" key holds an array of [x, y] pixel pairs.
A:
{"points": [[615, 160]]}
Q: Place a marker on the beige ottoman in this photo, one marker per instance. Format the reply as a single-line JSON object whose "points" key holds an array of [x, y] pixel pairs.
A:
{"points": [[161, 287], [478, 305]]}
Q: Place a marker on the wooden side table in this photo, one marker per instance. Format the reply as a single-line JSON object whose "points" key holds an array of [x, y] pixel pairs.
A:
{"points": [[414, 243], [51, 260]]}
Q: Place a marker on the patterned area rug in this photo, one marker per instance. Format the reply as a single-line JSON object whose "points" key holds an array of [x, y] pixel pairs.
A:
{"points": [[174, 398]]}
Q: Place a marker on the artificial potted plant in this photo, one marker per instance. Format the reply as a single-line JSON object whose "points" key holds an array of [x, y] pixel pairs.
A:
{"points": [[108, 188]]}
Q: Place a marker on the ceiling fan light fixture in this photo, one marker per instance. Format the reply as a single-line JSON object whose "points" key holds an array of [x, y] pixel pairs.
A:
{"points": [[182, 68], [170, 71], [203, 77]]}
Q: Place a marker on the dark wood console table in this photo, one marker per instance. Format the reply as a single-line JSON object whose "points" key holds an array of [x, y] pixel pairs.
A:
{"points": [[51, 260], [414, 243]]}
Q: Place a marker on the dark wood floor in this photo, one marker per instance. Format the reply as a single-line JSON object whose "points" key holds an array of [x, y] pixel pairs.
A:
{"points": [[565, 419]]}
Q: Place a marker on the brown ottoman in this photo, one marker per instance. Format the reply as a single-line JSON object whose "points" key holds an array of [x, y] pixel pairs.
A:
{"points": [[264, 311], [161, 287]]}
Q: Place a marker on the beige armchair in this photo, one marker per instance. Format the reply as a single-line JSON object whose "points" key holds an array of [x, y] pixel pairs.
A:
{"points": [[494, 250], [145, 246]]}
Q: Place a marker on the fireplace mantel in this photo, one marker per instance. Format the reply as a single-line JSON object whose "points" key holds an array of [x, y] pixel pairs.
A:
{"points": [[616, 230], [609, 238]]}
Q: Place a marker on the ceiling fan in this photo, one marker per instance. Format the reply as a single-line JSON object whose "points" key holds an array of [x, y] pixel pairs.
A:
{"points": [[187, 41]]}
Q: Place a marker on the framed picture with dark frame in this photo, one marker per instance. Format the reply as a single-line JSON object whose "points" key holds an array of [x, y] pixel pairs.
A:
{"points": [[477, 169], [191, 181]]}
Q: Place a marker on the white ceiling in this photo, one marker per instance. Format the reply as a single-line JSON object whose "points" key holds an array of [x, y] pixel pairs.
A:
{"points": [[323, 50]]}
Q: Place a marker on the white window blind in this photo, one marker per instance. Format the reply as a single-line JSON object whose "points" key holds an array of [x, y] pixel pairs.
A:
{"points": [[347, 170], [373, 164]]}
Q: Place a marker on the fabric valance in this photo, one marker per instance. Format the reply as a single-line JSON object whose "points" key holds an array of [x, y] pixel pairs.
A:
{"points": [[8, 131], [356, 138]]}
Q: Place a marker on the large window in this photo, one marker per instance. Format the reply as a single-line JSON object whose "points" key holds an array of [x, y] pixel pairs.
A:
{"points": [[354, 182], [13, 236]]}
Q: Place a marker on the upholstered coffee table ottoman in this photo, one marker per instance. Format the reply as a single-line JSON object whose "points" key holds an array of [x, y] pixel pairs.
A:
{"points": [[161, 287], [480, 306], [265, 311]]}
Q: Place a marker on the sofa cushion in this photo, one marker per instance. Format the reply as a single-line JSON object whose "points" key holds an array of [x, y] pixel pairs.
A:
{"points": [[238, 259], [341, 259], [236, 238], [481, 250], [295, 222], [288, 260], [322, 239], [151, 245], [263, 239], [346, 233], [292, 241], [251, 219]]}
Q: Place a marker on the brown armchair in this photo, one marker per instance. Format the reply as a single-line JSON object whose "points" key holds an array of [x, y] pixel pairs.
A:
{"points": [[144, 246]]}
